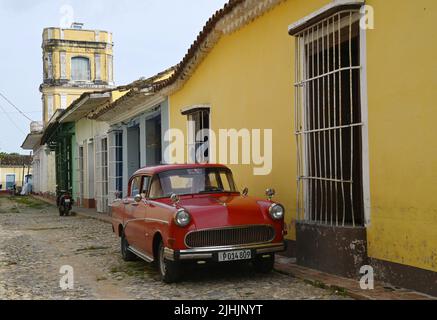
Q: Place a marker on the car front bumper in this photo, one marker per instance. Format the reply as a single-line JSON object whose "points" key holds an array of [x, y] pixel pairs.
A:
{"points": [[211, 253]]}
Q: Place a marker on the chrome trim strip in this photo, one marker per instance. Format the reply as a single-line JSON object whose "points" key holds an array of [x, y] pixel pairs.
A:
{"points": [[131, 220], [157, 220], [145, 220], [235, 227], [196, 256], [270, 250], [140, 254], [169, 254], [278, 246]]}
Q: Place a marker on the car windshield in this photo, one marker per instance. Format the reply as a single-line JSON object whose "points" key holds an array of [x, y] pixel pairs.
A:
{"points": [[192, 181]]}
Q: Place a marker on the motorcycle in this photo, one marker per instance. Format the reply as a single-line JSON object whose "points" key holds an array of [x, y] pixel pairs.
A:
{"points": [[64, 202]]}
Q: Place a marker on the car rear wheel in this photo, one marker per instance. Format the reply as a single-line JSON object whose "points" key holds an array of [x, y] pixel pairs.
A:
{"points": [[125, 253], [263, 263], [169, 270]]}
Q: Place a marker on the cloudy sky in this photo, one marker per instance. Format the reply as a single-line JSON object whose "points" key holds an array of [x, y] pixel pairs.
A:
{"points": [[149, 36]]}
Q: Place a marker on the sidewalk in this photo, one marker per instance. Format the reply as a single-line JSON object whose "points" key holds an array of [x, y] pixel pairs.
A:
{"points": [[345, 286], [288, 266]]}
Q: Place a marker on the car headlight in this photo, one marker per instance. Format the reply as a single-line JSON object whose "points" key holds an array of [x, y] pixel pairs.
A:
{"points": [[276, 211], [182, 218]]}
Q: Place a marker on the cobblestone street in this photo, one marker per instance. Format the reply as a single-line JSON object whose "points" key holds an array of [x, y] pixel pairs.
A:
{"points": [[35, 242]]}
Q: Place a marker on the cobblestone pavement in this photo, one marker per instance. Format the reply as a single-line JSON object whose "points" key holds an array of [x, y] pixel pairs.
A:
{"points": [[35, 242]]}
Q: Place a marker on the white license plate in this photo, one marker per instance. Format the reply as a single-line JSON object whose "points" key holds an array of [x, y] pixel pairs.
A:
{"points": [[67, 200], [234, 255]]}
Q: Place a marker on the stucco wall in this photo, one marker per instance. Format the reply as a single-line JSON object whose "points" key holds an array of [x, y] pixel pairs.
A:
{"points": [[402, 94], [248, 78], [85, 130]]}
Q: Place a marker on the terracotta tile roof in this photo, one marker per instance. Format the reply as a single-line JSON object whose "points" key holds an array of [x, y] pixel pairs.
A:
{"points": [[209, 26], [15, 160], [135, 89], [234, 15]]}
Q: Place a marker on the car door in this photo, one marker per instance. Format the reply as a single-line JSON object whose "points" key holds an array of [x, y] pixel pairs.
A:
{"points": [[156, 212], [139, 212], [133, 228], [144, 206]]}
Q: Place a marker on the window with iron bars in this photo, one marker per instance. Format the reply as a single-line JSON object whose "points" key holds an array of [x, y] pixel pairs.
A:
{"points": [[80, 175], [328, 121], [115, 163], [102, 174], [198, 126]]}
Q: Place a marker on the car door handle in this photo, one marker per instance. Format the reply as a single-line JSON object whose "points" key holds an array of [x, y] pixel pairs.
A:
{"points": [[134, 204]]}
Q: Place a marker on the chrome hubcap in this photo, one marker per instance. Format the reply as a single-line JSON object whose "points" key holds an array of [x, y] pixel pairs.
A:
{"points": [[161, 261]]}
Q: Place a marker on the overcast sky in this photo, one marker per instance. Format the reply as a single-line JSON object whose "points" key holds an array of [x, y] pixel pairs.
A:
{"points": [[149, 36]]}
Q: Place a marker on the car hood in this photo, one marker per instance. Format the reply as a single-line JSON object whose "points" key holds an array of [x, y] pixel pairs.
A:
{"points": [[224, 211]]}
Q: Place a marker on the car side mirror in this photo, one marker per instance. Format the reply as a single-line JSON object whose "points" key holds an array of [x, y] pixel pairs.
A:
{"points": [[175, 198], [245, 192], [138, 198], [270, 193]]}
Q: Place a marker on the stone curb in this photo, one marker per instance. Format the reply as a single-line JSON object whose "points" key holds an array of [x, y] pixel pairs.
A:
{"points": [[345, 286]]}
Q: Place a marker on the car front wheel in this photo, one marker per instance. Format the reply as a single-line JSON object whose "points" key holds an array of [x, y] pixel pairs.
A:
{"points": [[169, 270], [264, 264], [125, 253]]}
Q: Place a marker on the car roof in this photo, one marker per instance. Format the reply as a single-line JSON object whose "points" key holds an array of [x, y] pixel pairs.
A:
{"points": [[169, 167]]}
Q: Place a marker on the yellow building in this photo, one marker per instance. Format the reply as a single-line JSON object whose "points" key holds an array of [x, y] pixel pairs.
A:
{"points": [[13, 171], [75, 61], [350, 104]]}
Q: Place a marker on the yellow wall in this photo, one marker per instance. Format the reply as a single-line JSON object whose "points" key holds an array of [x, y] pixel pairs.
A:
{"points": [[247, 79], [402, 91], [71, 93], [18, 171]]}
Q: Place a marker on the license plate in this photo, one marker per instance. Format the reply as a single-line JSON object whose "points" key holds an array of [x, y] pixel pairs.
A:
{"points": [[234, 255], [67, 200]]}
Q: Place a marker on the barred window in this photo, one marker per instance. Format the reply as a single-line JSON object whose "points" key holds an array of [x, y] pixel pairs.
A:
{"points": [[328, 121], [80, 174], [115, 165], [102, 174], [198, 132], [80, 69]]}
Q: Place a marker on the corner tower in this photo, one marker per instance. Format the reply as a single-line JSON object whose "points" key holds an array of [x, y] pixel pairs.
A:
{"points": [[75, 61]]}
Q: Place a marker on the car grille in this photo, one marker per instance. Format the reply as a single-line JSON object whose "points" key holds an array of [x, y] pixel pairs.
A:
{"points": [[230, 236]]}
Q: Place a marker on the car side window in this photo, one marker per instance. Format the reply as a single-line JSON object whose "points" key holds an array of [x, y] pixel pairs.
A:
{"points": [[135, 187], [145, 185], [156, 189]]}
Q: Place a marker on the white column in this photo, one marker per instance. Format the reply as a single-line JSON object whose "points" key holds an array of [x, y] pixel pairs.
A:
{"points": [[143, 158], [125, 162]]}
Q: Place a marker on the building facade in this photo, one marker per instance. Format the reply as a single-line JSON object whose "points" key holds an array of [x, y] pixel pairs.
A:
{"points": [[338, 103]]}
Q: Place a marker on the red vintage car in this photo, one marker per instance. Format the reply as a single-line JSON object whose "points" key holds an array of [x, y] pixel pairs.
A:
{"points": [[178, 213]]}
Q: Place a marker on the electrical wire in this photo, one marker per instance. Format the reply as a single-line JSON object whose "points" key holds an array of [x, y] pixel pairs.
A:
{"points": [[15, 107], [11, 120]]}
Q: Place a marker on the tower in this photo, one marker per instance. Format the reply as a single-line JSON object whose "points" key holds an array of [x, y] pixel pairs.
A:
{"points": [[75, 61]]}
